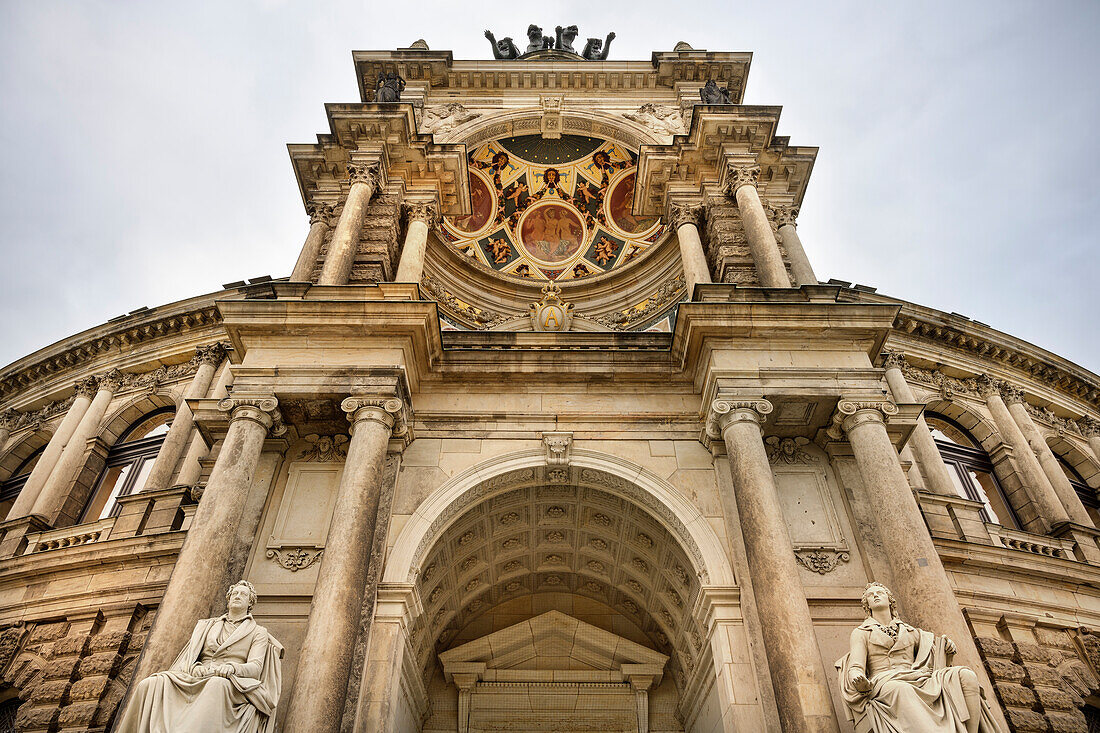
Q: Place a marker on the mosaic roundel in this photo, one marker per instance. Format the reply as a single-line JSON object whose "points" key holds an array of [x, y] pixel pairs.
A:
{"points": [[552, 209]]}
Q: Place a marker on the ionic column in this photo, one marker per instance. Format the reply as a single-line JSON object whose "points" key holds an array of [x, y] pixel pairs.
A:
{"points": [[936, 474], [785, 217], [175, 442], [1091, 429], [421, 217], [24, 503], [1049, 507], [1014, 398], [320, 215], [198, 574], [919, 579], [741, 182], [320, 688], [191, 468], [685, 219], [51, 500], [365, 180], [794, 660]]}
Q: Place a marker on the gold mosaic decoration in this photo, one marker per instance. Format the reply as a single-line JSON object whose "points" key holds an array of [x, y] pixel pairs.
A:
{"points": [[552, 209]]}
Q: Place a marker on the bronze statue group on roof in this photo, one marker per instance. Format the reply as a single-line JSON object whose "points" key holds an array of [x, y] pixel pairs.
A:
{"points": [[594, 50]]}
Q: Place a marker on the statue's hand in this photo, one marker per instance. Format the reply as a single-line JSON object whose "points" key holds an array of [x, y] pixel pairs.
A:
{"points": [[860, 681], [611, 36], [224, 670], [949, 646], [200, 671], [489, 35]]}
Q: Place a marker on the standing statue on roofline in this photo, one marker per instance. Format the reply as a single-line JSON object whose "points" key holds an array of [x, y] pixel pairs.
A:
{"points": [[537, 41], [711, 93], [898, 678], [565, 38], [504, 48], [389, 88], [226, 680]]}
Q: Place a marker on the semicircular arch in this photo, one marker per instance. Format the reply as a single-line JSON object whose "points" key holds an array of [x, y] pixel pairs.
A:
{"points": [[131, 411], [981, 429], [589, 468], [575, 122]]}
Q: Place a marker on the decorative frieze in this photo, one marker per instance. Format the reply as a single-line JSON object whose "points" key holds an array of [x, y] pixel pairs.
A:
{"points": [[659, 118], [669, 293], [465, 313]]}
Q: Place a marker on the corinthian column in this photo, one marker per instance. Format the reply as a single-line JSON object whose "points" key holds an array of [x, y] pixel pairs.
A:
{"points": [[936, 474], [1047, 509], [421, 217], [685, 219], [785, 217], [365, 180], [7, 422], [1091, 429], [919, 579], [53, 499], [1039, 449], [319, 216], [198, 575], [85, 390], [179, 433], [741, 182], [320, 688], [790, 642]]}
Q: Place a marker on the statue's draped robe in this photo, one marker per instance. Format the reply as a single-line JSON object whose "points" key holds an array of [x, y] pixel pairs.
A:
{"points": [[176, 701], [912, 687]]}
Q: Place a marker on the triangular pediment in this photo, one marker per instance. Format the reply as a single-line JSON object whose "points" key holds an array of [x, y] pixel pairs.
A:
{"points": [[551, 641]]}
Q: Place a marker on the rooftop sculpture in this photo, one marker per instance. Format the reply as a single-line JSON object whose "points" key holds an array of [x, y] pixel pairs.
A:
{"points": [[594, 50]]}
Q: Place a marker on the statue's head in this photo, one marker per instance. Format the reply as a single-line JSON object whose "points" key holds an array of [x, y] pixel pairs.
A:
{"points": [[569, 33], [504, 45], [595, 45], [534, 33], [875, 595], [237, 593]]}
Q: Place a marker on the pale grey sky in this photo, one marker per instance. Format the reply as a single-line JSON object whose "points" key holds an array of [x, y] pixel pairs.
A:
{"points": [[144, 155]]}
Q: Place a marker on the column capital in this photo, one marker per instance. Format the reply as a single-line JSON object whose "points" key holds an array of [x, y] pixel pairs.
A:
{"points": [[1090, 427], [111, 380], [319, 212], [785, 215], [370, 173], [726, 411], [212, 354], [8, 419], [681, 214], [853, 413], [741, 175], [87, 387], [262, 409], [894, 360], [425, 211], [1011, 394], [390, 411]]}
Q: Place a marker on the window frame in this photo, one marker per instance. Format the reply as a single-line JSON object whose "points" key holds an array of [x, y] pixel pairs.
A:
{"points": [[136, 454]]}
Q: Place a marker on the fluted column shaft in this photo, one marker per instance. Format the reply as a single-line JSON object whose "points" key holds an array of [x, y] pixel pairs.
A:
{"points": [[24, 503], [800, 264], [179, 433], [1047, 462], [320, 688], [345, 240], [794, 660], [191, 468], [686, 221], [936, 474], [1050, 508], [411, 266], [51, 500], [318, 227], [758, 231], [197, 576], [919, 578]]}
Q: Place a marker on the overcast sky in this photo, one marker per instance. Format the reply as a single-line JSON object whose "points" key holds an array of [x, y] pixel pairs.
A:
{"points": [[144, 156]]}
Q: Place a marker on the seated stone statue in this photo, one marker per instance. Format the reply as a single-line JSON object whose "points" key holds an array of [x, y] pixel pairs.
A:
{"points": [[896, 678], [226, 679]]}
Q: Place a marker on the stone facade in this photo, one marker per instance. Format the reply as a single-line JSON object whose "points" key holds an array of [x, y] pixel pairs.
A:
{"points": [[654, 508]]}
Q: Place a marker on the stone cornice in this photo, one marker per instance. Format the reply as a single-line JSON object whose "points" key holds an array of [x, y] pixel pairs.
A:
{"points": [[113, 338]]}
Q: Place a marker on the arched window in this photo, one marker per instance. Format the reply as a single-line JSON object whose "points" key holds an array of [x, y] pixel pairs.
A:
{"points": [[970, 469], [1086, 493], [8, 710], [128, 464], [10, 487]]}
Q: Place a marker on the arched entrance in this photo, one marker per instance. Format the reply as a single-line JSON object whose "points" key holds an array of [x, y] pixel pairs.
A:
{"points": [[581, 595]]}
